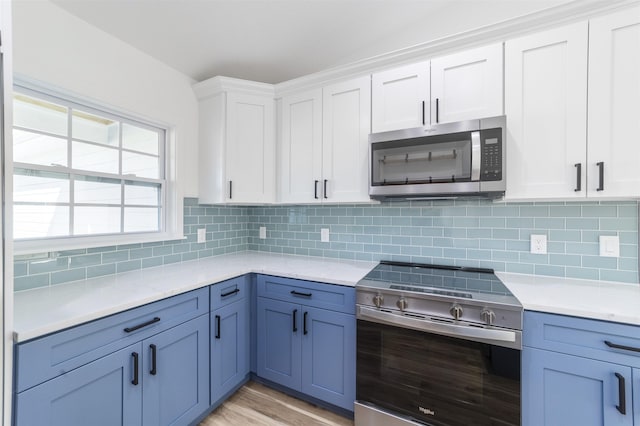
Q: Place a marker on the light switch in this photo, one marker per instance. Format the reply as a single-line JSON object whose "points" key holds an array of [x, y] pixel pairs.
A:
{"points": [[324, 235], [202, 235], [263, 232], [609, 246]]}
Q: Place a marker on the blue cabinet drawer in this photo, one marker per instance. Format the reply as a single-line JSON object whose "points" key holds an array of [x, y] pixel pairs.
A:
{"points": [[229, 291], [601, 340], [43, 358], [319, 295]]}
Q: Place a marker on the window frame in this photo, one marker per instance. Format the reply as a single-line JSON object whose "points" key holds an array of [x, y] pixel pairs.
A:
{"points": [[170, 207]]}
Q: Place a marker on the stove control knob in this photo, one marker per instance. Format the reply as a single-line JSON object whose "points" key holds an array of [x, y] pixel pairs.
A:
{"points": [[401, 304], [378, 300], [456, 311], [488, 316]]}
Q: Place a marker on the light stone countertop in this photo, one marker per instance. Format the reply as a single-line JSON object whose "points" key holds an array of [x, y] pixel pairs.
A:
{"points": [[601, 300], [48, 309], [45, 310]]}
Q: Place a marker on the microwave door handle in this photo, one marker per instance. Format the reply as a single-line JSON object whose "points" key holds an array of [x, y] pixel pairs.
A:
{"points": [[475, 156]]}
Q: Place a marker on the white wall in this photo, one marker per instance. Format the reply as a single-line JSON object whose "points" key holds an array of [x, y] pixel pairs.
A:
{"points": [[55, 47]]}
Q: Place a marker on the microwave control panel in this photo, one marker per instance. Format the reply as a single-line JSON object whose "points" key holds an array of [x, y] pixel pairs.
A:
{"points": [[491, 155]]}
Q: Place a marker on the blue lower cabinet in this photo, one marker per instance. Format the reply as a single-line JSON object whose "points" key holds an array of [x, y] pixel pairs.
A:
{"points": [[636, 396], [307, 349], [329, 356], [562, 390], [279, 332], [105, 392], [230, 348], [176, 372]]}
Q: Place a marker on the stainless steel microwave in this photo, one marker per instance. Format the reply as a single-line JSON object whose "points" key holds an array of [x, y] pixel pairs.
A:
{"points": [[461, 159]]}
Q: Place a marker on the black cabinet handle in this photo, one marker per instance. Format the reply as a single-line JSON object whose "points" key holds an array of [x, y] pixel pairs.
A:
{"points": [[154, 369], [622, 395], [623, 347], [230, 189], [295, 327], [136, 357], [423, 118], [324, 192], [600, 176], [217, 326], [297, 293], [304, 323], [315, 189], [139, 326], [437, 110], [237, 290], [578, 167]]}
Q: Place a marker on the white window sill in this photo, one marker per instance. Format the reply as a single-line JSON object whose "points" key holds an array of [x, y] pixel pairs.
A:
{"points": [[54, 244]]}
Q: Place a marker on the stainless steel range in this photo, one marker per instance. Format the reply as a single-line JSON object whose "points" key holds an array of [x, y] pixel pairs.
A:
{"points": [[437, 345]]}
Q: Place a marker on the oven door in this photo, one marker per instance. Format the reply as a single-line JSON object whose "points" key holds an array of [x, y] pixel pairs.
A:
{"points": [[427, 378]]}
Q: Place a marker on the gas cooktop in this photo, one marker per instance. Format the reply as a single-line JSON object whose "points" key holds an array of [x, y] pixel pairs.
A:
{"points": [[474, 295]]}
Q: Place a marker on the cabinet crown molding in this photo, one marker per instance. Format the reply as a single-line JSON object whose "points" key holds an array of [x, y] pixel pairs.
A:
{"points": [[220, 84], [572, 11]]}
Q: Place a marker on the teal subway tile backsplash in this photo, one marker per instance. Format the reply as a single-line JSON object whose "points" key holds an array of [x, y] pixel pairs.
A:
{"points": [[467, 233], [456, 232], [73, 265]]}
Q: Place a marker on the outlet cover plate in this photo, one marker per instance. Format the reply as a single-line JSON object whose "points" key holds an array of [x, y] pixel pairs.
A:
{"points": [[202, 235], [538, 244], [324, 235], [263, 232]]}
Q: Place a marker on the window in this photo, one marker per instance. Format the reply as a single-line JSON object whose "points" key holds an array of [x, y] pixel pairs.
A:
{"points": [[84, 172]]}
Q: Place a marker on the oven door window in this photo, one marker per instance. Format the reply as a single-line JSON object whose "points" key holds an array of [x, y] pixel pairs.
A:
{"points": [[445, 158], [437, 380]]}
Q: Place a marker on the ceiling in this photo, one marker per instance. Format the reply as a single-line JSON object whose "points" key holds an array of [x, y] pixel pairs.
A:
{"points": [[278, 40]]}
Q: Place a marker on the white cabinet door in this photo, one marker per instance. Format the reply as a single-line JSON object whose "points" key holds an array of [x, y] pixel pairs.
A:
{"points": [[345, 140], [250, 156], [614, 105], [400, 98], [546, 109], [300, 149], [467, 85]]}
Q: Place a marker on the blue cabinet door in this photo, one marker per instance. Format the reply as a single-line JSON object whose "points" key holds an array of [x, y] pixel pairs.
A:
{"points": [[176, 374], [636, 396], [279, 331], [229, 347], [100, 393], [329, 356], [562, 390]]}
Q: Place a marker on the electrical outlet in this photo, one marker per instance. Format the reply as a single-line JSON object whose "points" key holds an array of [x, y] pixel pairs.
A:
{"points": [[539, 244], [609, 246], [324, 235], [263, 232], [202, 235]]}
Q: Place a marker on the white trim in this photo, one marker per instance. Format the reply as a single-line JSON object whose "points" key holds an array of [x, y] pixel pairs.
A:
{"points": [[6, 249], [570, 12], [71, 243], [213, 86]]}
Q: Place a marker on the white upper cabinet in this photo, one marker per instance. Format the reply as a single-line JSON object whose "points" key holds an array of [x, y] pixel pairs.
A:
{"points": [[323, 147], [546, 109], [346, 122], [300, 148], [614, 105], [400, 98], [236, 142], [467, 85]]}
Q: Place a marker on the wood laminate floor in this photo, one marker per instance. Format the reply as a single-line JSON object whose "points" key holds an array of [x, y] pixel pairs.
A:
{"points": [[256, 404]]}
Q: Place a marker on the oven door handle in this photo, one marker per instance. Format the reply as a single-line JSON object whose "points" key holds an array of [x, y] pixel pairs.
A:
{"points": [[510, 338]]}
